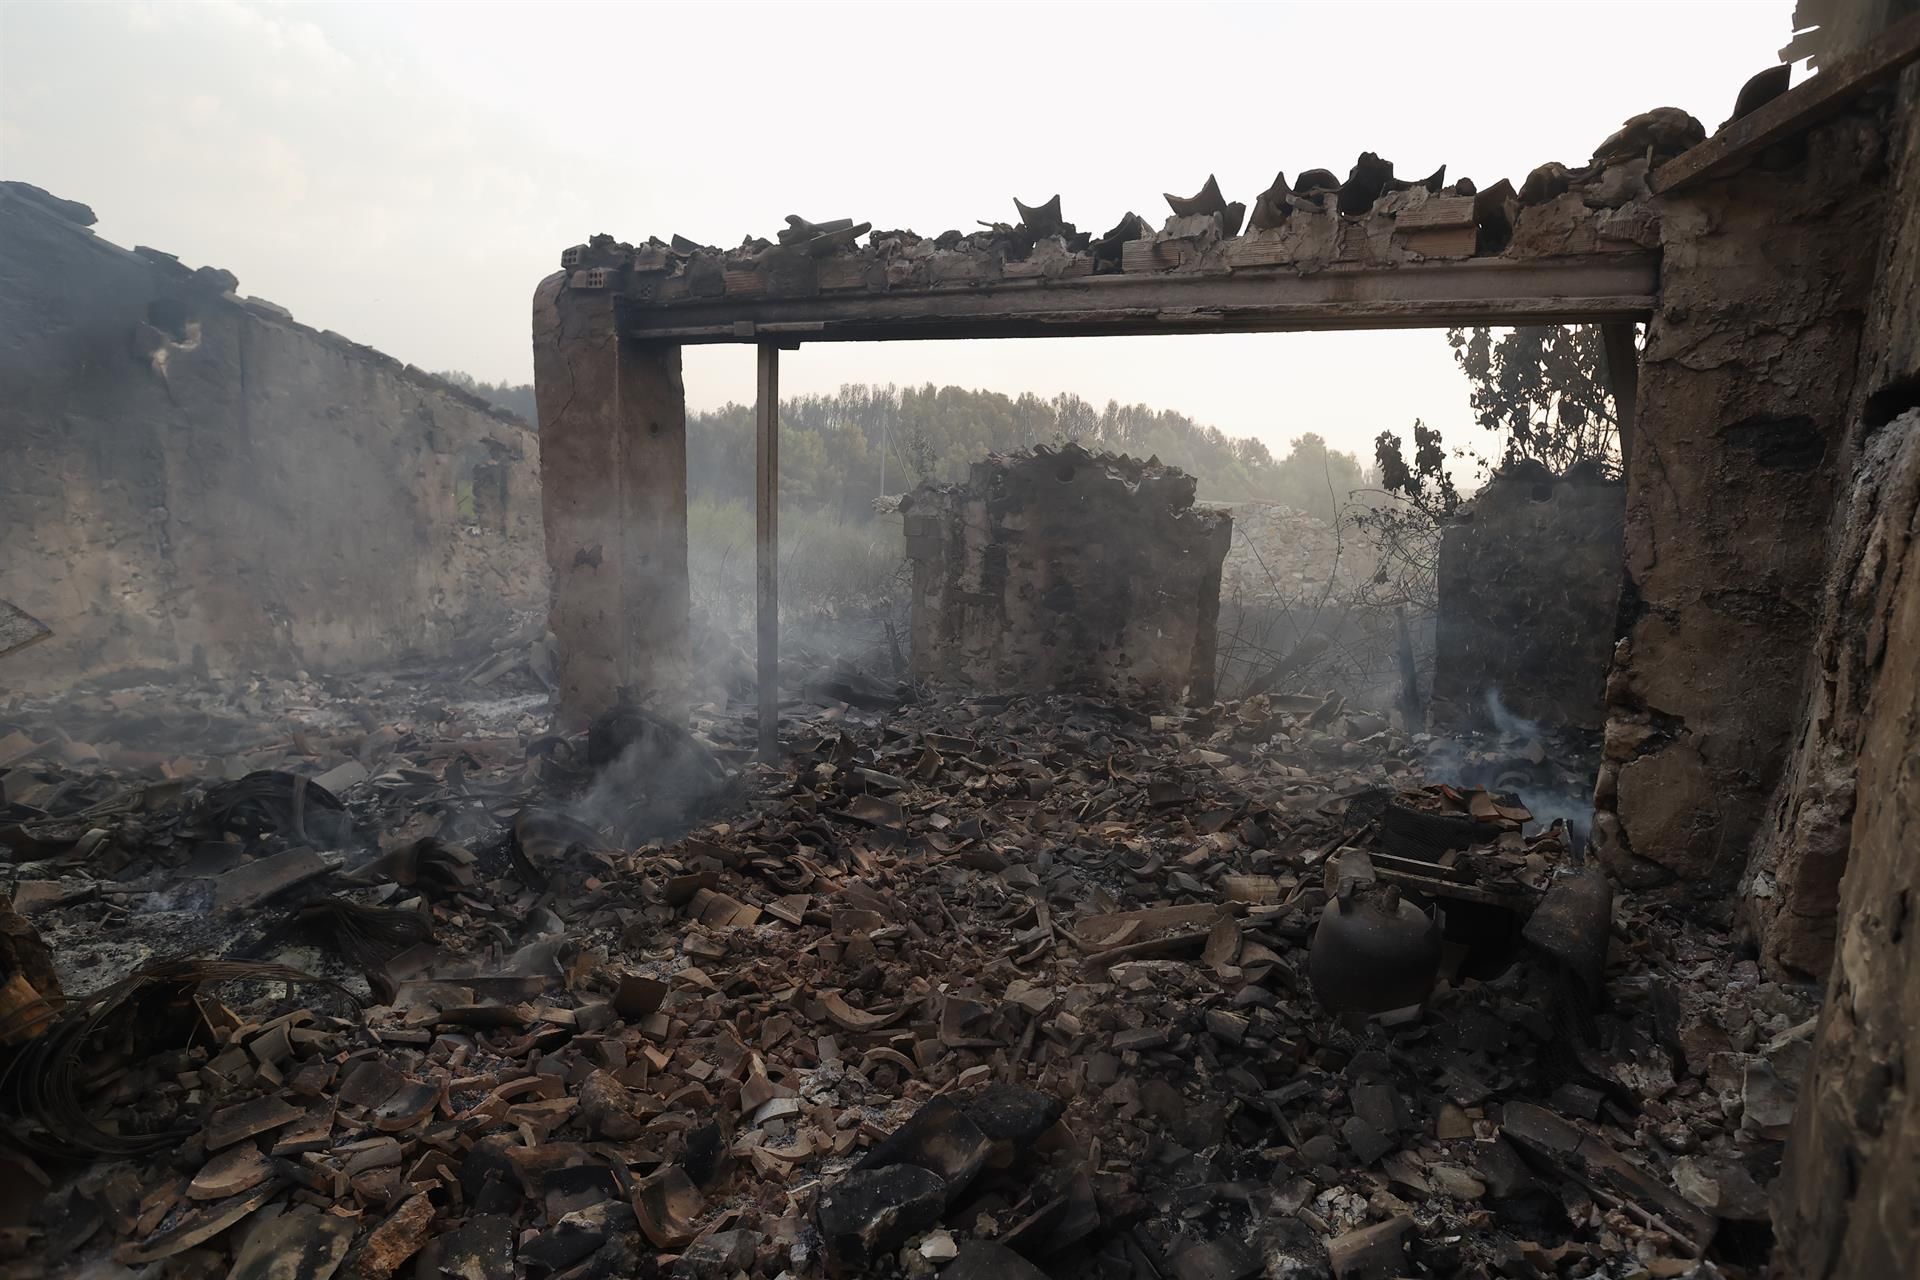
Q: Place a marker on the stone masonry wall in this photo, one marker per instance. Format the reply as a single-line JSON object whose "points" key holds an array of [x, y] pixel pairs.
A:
{"points": [[192, 480], [1846, 1205], [1060, 569], [1529, 590], [1744, 385], [1792, 888]]}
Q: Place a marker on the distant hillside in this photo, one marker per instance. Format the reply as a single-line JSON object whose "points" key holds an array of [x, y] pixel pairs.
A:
{"points": [[843, 450]]}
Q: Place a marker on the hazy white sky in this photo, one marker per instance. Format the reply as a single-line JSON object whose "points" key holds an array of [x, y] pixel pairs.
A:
{"points": [[405, 173]]}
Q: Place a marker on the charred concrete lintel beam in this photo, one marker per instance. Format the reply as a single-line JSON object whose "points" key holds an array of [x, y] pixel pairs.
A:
{"points": [[1591, 289]]}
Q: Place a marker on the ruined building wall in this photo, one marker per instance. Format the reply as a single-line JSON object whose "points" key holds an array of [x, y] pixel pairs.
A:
{"points": [[1056, 569], [1744, 386], [193, 480], [1846, 1205], [1791, 893], [1528, 595]]}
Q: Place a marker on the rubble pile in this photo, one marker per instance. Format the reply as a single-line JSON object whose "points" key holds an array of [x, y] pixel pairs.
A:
{"points": [[1283, 556], [982, 986], [1372, 218]]}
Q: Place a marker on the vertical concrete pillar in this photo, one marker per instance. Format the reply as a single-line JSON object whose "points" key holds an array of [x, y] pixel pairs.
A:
{"points": [[613, 483]]}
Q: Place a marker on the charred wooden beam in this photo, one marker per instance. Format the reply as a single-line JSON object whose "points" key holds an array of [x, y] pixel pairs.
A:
{"points": [[1797, 109]]}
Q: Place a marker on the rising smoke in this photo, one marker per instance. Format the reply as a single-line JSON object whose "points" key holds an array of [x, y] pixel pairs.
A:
{"points": [[1551, 771]]}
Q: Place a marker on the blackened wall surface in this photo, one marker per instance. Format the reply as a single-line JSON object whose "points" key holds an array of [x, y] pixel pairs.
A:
{"points": [[1847, 1205], [1059, 568], [1529, 590]]}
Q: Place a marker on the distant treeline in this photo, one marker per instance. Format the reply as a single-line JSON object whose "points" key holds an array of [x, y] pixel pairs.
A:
{"points": [[514, 399], [839, 452]]}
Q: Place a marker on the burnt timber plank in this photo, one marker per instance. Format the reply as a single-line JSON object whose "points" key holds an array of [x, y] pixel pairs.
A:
{"points": [[1597, 288], [1803, 105]]}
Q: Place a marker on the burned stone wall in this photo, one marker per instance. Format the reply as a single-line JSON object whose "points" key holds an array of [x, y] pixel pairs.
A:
{"points": [[1529, 589], [1745, 381], [1791, 891], [1058, 569], [1846, 1206], [194, 480]]}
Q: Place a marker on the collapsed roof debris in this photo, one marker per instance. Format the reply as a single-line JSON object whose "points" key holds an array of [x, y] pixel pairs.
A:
{"points": [[1373, 218], [995, 985]]}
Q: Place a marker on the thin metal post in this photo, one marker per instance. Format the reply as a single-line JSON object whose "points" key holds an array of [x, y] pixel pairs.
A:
{"points": [[766, 494]]}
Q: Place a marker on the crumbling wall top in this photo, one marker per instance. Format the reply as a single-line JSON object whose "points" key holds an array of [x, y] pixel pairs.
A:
{"points": [[1316, 222], [1046, 467], [213, 286]]}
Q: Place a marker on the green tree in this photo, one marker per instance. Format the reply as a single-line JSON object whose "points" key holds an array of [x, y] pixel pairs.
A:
{"points": [[1315, 479], [1422, 479], [841, 451], [1543, 389]]}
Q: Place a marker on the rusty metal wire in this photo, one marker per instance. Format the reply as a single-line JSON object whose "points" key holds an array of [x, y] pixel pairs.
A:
{"points": [[46, 1107]]}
